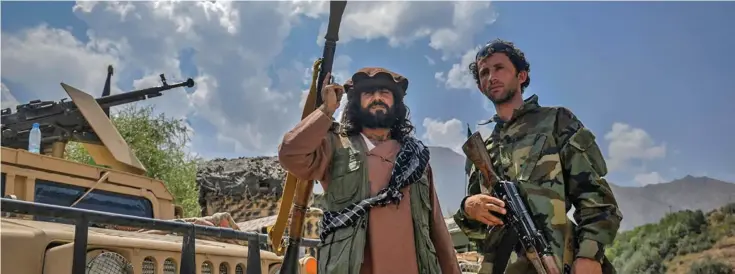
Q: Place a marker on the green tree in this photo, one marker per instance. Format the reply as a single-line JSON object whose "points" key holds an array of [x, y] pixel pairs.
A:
{"points": [[645, 248], [159, 142]]}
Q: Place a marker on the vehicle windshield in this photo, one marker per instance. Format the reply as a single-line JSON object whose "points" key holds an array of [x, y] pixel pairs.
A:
{"points": [[48, 192]]}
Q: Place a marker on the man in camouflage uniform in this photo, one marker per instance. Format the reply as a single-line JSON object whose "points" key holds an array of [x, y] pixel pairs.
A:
{"points": [[556, 163]]}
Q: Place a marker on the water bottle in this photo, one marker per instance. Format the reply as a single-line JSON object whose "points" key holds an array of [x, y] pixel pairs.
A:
{"points": [[34, 139]]}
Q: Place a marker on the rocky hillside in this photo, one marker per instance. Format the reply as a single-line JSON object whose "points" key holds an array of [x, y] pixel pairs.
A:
{"points": [[249, 176], [260, 177], [248, 188]]}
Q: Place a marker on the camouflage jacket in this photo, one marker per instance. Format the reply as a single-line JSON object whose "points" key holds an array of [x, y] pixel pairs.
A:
{"points": [[557, 164]]}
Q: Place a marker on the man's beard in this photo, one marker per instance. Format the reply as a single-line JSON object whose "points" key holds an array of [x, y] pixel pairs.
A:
{"points": [[381, 118], [505, 96]]}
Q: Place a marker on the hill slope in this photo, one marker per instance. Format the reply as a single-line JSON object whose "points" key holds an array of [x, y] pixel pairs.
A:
{"points": [[640, 205], [682, 242]]}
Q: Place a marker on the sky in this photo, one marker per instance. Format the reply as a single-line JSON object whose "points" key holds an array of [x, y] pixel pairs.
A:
{"points": [[648, 78]]}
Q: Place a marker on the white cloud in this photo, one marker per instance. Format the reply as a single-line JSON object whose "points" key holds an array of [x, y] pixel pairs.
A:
{"points": [[7, 98], [235, 106], [628, 144], [459, 77], [439, 76], [404, 22], [648, 178], [430, 60], [42, 57], [340, 73], [451, 133], [446, 134], [233, 93], [485, 130]]}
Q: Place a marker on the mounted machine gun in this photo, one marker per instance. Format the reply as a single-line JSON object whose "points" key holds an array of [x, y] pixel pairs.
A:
{"points": [[68, 217], [80, 121]]}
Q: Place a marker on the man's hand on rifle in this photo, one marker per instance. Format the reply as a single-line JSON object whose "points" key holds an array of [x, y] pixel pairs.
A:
{"points": [[480, 207], [332, 95]]}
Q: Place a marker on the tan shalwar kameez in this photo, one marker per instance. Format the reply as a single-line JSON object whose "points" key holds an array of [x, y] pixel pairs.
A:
{"points": [[306, 152]]}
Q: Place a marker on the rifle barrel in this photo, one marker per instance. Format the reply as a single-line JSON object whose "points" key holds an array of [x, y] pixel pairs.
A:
{"points": [[304, 188], [326, 67], [142, 94], [62, 120]]}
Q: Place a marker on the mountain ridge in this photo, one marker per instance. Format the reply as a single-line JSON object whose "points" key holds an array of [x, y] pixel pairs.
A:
{"points": [[639, 205]]}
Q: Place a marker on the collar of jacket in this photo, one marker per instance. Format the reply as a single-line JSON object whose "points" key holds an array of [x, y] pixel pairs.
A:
{"points": [[531, 103]]}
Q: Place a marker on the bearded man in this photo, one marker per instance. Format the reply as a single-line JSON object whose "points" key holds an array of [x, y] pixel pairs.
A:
{"points": [[556, 164], [382, 214]]}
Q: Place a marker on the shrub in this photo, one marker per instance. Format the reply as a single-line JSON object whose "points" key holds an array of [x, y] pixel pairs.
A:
{"points": [[709, 266]]}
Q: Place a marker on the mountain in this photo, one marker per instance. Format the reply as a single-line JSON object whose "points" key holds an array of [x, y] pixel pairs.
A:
{"points": [[648, 204], [640, 205], [449, 177], [682, 242]]}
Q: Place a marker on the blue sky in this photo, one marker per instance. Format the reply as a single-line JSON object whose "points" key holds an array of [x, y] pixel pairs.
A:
{"points": [[656, 69]]}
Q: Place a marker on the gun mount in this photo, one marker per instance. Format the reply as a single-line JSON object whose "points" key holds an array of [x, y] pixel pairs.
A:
{"points": [[83, 119]]}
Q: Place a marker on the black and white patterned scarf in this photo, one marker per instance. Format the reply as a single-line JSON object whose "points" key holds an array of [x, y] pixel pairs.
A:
{"points": [[410, 164]]}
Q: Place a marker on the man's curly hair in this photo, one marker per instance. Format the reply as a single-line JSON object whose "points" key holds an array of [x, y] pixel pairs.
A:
{"points": [[350, 126], [515, 55]]}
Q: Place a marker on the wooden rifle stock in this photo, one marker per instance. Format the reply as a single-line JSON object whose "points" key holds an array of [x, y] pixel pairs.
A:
{"points": [[295, 191], [545, 264], [476, 151], [300, 190]]}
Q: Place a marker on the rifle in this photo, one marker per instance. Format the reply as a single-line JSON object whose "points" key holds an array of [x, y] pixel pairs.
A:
{"points": [[537, 249], [296, 190], [62, 121]]}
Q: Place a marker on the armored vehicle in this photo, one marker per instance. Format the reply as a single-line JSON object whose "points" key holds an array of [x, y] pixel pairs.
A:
{"points": [[61, 216]]}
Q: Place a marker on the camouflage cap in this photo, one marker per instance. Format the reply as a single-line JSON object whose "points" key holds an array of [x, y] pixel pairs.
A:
{"points": [[374, 77]]}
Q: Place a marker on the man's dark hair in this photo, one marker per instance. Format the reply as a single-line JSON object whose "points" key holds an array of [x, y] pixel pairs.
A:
{"points": [[350, 122], [515, 55]]}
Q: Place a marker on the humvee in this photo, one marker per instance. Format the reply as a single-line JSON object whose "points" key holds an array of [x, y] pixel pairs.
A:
{"points": [[61, 216]]}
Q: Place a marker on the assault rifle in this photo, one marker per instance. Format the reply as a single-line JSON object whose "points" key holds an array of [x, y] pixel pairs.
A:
{"points": [[537, 249], [63, 121]]}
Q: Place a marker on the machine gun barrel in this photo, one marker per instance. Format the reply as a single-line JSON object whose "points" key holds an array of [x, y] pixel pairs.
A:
{"points": [[63, 121], [143, 94]]}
